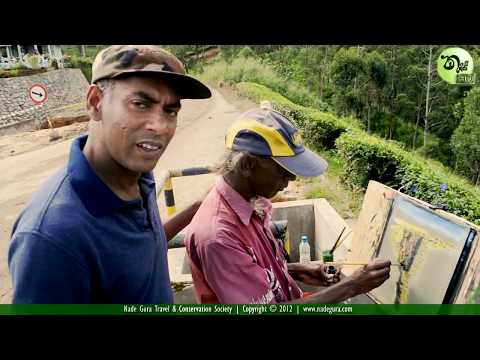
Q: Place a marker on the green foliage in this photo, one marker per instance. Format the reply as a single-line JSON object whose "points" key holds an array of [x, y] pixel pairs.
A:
{"points": [[253, 70], [54, 64], [18, 66], [346, 66], [8, 73], [241, 69], [466, 139], [345, 201], [319, 129], [257, 93], [229, 52], [368, 158], [438, 150], [246, 52], [75, 50], [359, 78], [20, 72], [371, 158], [82, 63], [376, 69], [308, 65], [33, 61], [189, 55]]}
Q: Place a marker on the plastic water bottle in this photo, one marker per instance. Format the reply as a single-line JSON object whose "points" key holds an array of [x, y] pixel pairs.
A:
{"points": [[304, 250]]}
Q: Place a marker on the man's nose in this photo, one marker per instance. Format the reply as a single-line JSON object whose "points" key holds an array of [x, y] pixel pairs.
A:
{"points": [[161, 123]]}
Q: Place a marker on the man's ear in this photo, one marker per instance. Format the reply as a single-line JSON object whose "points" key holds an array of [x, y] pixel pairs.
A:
{"points": [[94, 102], [247, 165]]}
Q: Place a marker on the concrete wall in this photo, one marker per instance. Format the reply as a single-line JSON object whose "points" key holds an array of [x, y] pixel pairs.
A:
{"points": [[17, 110], [301, 222], [317, 219]]}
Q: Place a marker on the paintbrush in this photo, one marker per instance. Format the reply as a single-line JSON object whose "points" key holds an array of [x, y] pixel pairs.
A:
{"points": [[338, 239], [354, 263]]}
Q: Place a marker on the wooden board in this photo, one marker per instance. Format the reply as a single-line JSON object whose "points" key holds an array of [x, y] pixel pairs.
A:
{"points": [[471, 280], [369, 228]]}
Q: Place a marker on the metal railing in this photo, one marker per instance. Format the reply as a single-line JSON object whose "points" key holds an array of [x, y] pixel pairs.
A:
{"points": [[165, 183]]}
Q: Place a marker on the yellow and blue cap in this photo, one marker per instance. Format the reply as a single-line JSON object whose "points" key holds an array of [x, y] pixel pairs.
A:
{"points": [[265, 132]]}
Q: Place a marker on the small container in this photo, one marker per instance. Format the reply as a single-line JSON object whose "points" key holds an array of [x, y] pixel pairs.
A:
{"points": [[327, 257], [304, 250]]}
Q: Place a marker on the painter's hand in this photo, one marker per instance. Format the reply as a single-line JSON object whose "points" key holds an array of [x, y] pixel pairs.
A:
{"points": [[369, 277], [316, 275]]}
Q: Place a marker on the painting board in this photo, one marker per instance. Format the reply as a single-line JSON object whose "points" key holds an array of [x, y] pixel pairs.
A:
{"points": [[387, 217], [428, 245]]}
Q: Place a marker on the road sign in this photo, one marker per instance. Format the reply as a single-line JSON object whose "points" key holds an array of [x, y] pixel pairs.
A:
{"points": [[38, 93]]}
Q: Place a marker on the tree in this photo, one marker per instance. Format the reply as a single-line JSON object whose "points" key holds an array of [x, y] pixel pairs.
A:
{"points": [[466, 138], [348, 65], [440, 99], [376, 79], [360, 80], [427, 97], [428, 89], [402, 92], [309, 65]]}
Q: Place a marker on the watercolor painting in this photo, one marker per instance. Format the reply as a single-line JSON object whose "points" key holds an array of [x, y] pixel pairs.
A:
{"points": [[427, 246]]}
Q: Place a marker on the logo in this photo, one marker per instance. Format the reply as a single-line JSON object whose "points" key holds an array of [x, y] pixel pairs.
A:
{"points": [[455, 66], [297, 139]]}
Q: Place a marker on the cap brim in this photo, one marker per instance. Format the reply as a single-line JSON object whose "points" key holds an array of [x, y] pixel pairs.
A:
{"points": [[306, 164], [186, 86]]}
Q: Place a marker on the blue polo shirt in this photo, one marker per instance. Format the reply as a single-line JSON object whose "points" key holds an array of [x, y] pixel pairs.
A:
{"points": [[78, 242]]}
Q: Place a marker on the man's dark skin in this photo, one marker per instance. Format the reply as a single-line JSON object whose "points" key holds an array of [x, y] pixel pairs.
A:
{"points": [[133, 120], [258, 176]]}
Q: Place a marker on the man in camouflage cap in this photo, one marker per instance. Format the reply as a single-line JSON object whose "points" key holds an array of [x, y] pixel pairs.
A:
{"points": [[92, 233], [122, 60]]}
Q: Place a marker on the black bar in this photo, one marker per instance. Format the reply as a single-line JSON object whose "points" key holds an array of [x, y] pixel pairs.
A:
{"points": [[169, 199], [454, 285], [195, 171]]}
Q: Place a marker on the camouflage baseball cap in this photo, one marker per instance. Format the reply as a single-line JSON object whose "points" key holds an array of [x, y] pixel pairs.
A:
{"points": [[118, 60]]}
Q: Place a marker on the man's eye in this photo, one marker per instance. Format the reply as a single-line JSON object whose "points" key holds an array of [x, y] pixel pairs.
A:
{"points": [[140, 104], [172, 112]]}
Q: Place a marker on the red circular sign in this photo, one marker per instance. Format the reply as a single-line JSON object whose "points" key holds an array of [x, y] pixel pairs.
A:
{"points": [[38, 93]]}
